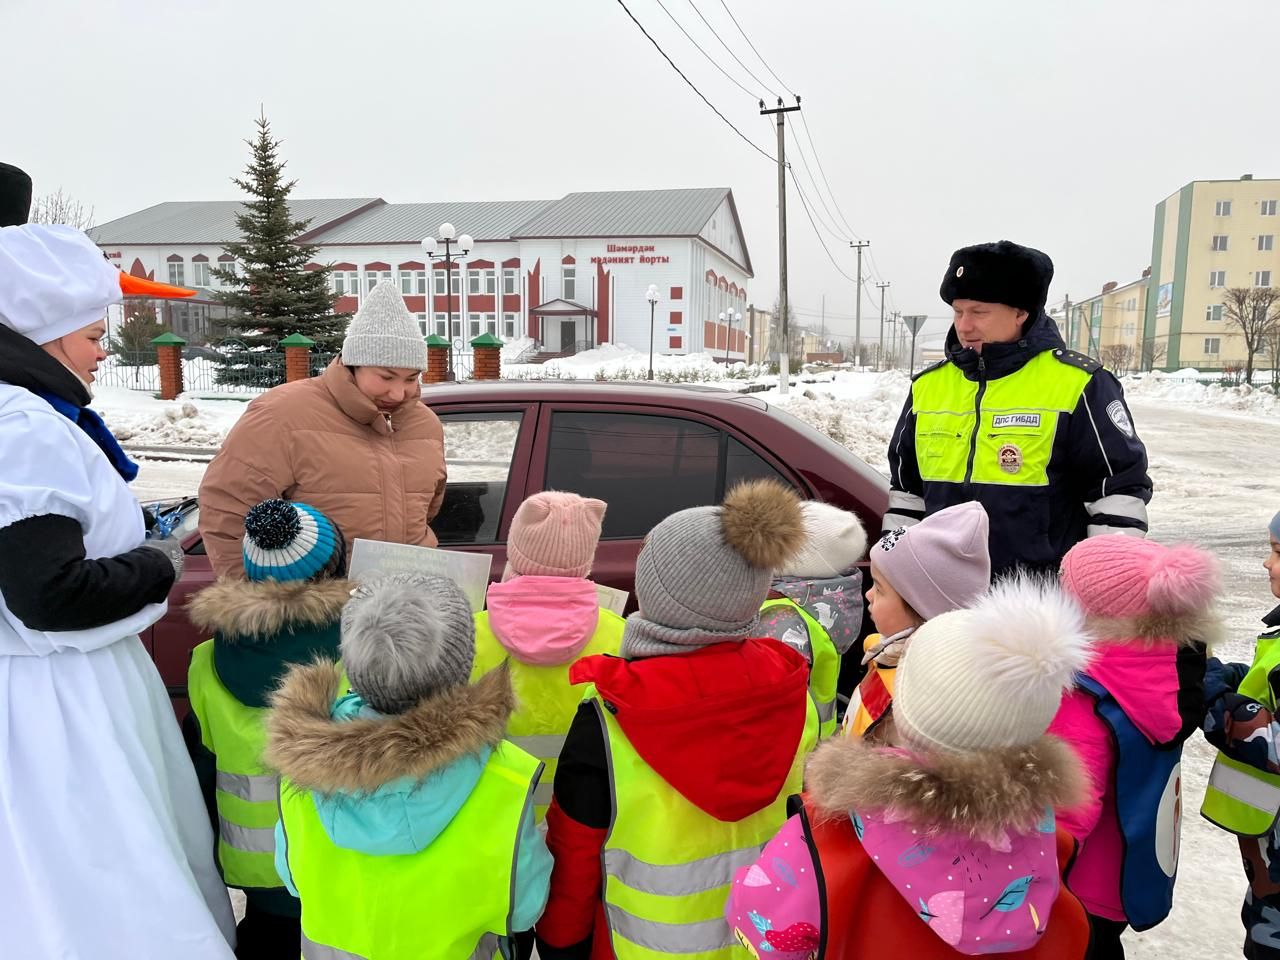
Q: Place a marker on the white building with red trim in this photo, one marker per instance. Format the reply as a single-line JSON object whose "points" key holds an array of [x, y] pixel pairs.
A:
{"points": [[570, 273]]}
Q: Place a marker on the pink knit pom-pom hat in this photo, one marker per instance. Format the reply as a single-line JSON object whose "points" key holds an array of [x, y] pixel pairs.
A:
{"points": [[1160, 591]]}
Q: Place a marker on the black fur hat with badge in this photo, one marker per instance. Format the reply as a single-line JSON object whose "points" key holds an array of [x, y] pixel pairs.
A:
{"points": [[1004, 272], [15, 196]]}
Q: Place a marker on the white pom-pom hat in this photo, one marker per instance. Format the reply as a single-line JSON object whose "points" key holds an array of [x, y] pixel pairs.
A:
{"points": [[992, 676]]}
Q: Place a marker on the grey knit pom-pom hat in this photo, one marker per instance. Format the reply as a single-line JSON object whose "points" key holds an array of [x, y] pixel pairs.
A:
{"points": [[407, 637]]}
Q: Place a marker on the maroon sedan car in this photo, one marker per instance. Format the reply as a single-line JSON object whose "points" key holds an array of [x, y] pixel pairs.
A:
{"points": [[645, 449]]}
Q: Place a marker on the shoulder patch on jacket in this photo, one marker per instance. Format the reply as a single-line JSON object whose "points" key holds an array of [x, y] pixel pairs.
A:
{"points": [[1081, 360], [929, 369]]}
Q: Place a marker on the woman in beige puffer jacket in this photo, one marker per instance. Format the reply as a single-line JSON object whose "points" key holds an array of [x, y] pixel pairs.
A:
{"points": [[356, 442]]}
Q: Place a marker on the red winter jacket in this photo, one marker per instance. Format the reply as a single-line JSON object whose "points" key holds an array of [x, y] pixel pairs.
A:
{"points": [[721, 725]]}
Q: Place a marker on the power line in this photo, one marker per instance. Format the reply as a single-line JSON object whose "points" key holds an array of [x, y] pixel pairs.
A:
{"points": [[729, 49], [753, 48], [808, 213], [835, 233], [714, 62], [818, 160], [692, 87]]}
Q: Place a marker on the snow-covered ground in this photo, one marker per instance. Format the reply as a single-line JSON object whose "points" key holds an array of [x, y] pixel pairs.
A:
{"points": [[139, 419], [1177, 388], [1212, 488]]}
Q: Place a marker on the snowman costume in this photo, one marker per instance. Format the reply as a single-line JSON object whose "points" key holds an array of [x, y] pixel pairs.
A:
{"points": [[106, 846]]}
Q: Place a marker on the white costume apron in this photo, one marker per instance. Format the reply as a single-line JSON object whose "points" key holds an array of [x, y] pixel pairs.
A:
{"points": [[105, 847]]}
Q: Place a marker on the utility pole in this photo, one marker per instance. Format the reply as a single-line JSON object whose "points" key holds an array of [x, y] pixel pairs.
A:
{"points": [[880, 356], [899, 339], [824, 316], [784, 356], [857, 312], [1067, 324]]}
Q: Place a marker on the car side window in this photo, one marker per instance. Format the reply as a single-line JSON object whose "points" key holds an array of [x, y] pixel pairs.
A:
{"points": [[644, 466], [478, 448], [742, 464]]}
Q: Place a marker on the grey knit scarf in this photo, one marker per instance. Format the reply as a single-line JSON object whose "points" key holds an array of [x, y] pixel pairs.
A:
{"points": [[644, 638]]}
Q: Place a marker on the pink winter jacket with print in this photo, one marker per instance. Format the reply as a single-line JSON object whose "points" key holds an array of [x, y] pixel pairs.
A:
{"points": [[1143, 676], [968, 843]]}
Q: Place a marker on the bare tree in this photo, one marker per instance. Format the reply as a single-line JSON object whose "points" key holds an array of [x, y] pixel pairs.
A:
{"points": [[60, 208], [1249, 310], [1154, 352], [1273, 352], [1118, 357]]}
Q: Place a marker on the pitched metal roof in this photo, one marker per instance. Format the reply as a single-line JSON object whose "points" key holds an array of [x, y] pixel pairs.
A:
{"points": [[410, 222], [211, 221], [626, 213]]}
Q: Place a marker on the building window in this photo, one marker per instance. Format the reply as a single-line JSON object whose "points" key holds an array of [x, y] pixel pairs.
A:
{"points": [[490, 282], [1213, 313], [200, 274], [1223, 208], [228, 267], [442, 289], [569, 283], [442, 325], [1267, 241], [345, 283], [1217, 278], [1130, 330], [473, 282], [510, 282], [413, 282], [1219, 241], [1267, 208], [1262, 278], [1212, 346], [178, 274], [473, 325], [509, 325], [491, 323], [422, 323]]}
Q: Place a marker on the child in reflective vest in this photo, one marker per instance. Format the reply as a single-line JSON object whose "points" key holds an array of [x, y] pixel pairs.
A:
{"points": [[1244, 786], [815, 602], [1151, 610], [941, 842], [543, 617], [919, 572], [286, 612]]}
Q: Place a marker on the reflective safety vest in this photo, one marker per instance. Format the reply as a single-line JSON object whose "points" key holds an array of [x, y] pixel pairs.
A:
{"points": [[546, 701], [824, 670], [1148, 789], [668, 865], [997, 431], [245, 789], [1240, 797], [453, 899]]}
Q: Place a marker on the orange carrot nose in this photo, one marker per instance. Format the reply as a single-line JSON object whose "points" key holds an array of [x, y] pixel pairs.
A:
{"points": [[132, 286]]}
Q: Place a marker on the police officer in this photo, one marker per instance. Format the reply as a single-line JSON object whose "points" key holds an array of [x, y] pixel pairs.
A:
{"points": [[1038, 434]]}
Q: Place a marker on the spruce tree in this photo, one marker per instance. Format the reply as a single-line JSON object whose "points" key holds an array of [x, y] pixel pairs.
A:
{"points": [[271, 293]]}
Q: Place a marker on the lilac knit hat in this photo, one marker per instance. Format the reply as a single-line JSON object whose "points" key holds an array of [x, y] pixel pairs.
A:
{"points": [[554, 534], [941, 563]]}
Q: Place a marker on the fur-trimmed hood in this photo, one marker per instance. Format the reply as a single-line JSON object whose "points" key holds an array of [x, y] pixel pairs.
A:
{"points": [[256, 611], [1203, 626], [320, 752], [978, 794]]}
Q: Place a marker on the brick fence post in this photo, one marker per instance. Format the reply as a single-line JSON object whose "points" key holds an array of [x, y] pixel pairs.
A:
{"points": [[169, 358], [297, 357], [488, 354], [437, 360]]}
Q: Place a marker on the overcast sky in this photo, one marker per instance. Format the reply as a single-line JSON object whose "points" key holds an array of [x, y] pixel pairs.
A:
{"points": [[1056, 123]]}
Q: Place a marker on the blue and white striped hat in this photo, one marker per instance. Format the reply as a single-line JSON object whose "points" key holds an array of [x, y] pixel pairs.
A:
{"points": [[286, 541]]}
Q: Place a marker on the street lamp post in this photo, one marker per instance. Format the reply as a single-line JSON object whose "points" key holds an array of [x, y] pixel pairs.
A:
{"points": [[729, 316], [652, 296], [464, 244]]}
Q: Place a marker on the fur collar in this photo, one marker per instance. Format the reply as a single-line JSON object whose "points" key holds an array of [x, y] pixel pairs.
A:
{"points": [[1203, 627], [977, 794], [319, 753], [238, 608]]}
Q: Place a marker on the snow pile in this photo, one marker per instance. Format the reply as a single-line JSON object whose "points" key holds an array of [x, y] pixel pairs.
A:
{"points": [[138, 419], [512, 349], [617, 361], [1182, 389], [857, 410]]}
